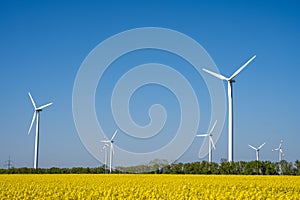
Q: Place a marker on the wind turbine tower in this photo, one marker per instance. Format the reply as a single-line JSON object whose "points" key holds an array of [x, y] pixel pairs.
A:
{"points": [[36, 117], [104, 148], [230, 80]]}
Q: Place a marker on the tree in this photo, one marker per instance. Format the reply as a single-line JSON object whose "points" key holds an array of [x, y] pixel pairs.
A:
{"points": [[286, 167], [224, 167]]}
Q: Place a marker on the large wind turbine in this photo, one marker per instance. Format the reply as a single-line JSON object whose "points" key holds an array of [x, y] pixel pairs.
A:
{"points": [[279, 149], [36, 117], [210, 141], [257, 150], [111, 148], [230, 80]]}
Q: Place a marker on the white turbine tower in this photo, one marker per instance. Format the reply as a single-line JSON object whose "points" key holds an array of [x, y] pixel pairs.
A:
{"points": [[230, 80], [210, 141], [104, 148], [111, 148], [36, 117], [280, 151], [257, 150]]}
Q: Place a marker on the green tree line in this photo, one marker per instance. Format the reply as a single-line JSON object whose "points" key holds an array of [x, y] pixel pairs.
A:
{"points": [[157, 167]]}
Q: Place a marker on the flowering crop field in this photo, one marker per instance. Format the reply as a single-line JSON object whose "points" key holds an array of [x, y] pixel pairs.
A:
{"points": [[88, 186]]}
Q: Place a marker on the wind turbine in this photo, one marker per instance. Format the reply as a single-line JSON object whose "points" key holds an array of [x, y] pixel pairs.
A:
{"points": [[104, 148], [210, 141], [36, 117], [111, 148], [279, 149], [230, 80], [257, 150]]}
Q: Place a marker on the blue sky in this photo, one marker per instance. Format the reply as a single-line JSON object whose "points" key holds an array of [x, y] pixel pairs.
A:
{"points": [[43, 44]]}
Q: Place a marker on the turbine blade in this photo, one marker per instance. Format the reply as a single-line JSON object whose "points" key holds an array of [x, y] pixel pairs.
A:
{"points": [[261, 146], [32, 101], [104, 146], [241, 68], [281, 141], [216, 75], [252, 147], [44, 106], [212, 128], [281, 151], [114, 135], [280, 144], [275, 149], [202, 135], [212, 142], [33, 118], [105, 141]]}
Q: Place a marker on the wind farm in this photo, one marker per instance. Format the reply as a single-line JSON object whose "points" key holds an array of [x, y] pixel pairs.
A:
{"points": [[149, 99]]}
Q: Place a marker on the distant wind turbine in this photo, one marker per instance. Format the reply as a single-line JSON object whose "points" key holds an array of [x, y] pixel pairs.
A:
{"points": [[230, 80], [280, 151], [36, 117], [210, 141], [111, 148], [104, 148], [257, 150]]}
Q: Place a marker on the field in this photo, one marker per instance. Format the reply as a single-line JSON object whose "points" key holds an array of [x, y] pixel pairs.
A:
{"points": [[72, 186]]}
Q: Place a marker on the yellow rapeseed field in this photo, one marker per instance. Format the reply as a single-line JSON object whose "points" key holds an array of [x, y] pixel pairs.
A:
{"points": [[88, 186]]}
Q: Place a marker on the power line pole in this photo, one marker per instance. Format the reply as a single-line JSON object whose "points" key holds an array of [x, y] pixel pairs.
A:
{"points": [[9, 163]]}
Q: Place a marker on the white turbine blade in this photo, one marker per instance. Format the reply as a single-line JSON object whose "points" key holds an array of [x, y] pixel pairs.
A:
{"points": [[212, 142], [215, 74], [252, 147], [32, 101], [44, 106], [105, 141], [33, 118], [104, 146], [212, 128], [241, 68], [281, 141], [275, 149], [261, 146], [202, 135], [114, 135], [280, 150], [280, 144]]}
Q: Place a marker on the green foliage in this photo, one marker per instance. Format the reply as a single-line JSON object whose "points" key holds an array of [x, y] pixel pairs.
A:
{"points": [[159, 167]]}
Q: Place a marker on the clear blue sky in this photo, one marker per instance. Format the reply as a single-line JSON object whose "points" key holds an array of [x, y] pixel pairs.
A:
{"points": [[43, 44]]}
